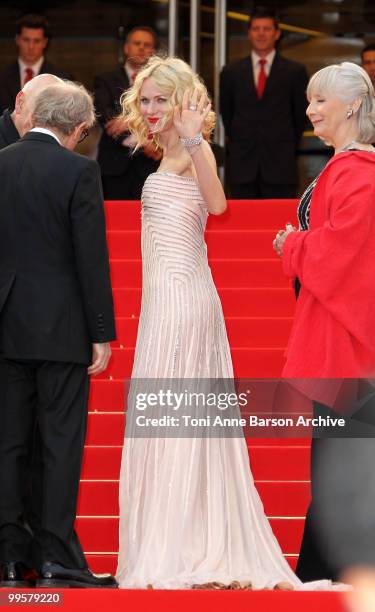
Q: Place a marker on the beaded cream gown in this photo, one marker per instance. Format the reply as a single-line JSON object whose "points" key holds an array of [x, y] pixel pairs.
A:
{"points": [[189, 510]]}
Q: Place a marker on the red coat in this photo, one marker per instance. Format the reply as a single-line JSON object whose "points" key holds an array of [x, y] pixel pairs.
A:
{"points": [[333, 333]]}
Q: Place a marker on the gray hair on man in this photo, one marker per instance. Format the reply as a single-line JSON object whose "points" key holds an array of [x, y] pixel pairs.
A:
{"points": [[39, 82], [24, 103], [63, 107]]}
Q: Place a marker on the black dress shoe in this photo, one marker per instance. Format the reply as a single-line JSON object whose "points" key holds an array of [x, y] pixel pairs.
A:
{"points": [[53, 575], [15, 575]]}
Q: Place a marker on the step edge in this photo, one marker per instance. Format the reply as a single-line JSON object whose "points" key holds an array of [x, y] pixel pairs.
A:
{"points": [[208, 231], [227, 318], [272, 483], [211, 259], [262, 446], [117, 517]]}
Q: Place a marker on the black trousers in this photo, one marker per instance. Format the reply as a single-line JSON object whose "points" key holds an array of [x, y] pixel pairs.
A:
{"points": [[47, 400], [314, 558], [259, 189], [321, 553]]}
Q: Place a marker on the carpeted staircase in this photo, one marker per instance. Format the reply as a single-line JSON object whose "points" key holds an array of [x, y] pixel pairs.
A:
{"points": [[258, 305]]}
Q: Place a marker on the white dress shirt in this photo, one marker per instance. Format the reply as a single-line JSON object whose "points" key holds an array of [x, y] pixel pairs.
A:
{"points": [[267, 66], [35, 68], [46, 131]]}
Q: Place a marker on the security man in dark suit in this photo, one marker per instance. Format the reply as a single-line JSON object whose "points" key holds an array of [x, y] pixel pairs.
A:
{"points": [[56, 321], [8, 130], [263, 104], [123, 173], [32, 37]]}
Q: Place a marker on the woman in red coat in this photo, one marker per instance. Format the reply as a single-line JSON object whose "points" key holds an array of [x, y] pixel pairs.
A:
{"points": [[331, 260], [333, 254]]}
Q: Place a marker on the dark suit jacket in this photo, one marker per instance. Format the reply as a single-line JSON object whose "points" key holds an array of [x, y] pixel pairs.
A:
{"points": [[55, 291], [263, 134], [115, 159], [10, 82], [8, 131]]}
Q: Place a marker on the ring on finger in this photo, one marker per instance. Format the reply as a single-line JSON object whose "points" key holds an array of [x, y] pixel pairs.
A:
{"points": [[193, 107]]}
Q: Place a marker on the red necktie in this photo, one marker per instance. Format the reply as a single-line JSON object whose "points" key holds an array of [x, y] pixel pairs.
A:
{"points": [[133, 75], [29, 74], [262, 78]]}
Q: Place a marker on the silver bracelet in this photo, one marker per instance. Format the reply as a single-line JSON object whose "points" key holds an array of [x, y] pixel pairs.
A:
{"points": [[192, 142]]}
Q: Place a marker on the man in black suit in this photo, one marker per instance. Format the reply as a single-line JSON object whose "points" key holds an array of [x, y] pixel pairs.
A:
{"points": [[368, 61], [263, 104], [8, 130], [15, 124], [56, 321], [32, 37], [123, 173]]}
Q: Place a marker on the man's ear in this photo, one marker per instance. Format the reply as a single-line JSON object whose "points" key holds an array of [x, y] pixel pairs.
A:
{"points": [[19, 102], [80, 127]]}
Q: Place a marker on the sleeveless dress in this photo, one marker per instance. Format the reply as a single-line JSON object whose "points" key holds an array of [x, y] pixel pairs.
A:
{"points": [[189, 509]]}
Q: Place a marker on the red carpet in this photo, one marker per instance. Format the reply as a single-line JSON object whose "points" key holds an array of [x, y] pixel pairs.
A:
{"points": [[199, 601], [258, 305]]}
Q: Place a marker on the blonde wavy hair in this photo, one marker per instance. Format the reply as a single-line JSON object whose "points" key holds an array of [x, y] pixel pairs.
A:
{"points": [[173, 77]]}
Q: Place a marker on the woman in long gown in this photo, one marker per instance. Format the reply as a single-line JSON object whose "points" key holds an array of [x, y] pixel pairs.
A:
{"points": [[189, 511]]}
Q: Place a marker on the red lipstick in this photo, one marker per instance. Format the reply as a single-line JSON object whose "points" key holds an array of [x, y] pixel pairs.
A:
{"points": [[153, 119]]}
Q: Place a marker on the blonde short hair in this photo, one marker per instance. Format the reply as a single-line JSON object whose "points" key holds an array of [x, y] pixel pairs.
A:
{"points": [[173, 77], [348, 82]]}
